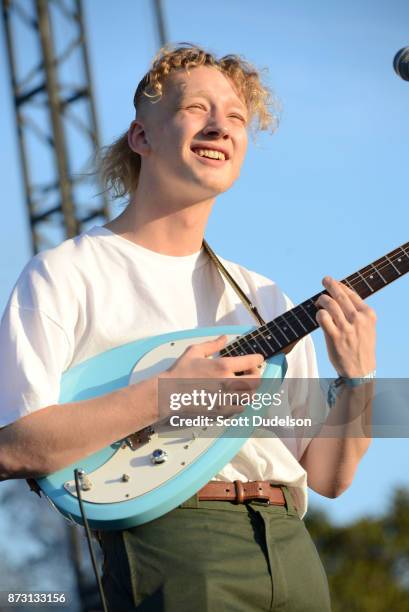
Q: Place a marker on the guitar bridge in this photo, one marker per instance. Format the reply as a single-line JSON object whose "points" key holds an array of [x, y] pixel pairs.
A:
{"points": [[139, 438]]}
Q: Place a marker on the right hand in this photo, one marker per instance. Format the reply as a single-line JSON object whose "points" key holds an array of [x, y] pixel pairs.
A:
{"points": [[194, 363]]}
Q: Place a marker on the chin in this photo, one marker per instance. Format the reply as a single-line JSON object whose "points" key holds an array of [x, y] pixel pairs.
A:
{"points": [[212, 192], [215, 187], [207, 186]]}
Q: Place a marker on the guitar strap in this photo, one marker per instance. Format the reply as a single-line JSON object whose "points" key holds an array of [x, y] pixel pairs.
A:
{"points": [[243, 297]]}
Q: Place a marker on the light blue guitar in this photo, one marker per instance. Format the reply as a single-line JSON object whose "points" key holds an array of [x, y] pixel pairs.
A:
{"points": [[132, 482]]}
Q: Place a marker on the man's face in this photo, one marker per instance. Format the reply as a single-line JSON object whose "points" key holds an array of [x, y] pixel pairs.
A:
{"points": [[199, 112]]}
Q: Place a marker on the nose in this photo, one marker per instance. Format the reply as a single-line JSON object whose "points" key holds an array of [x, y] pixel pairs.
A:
{"points": [[216, 129]]}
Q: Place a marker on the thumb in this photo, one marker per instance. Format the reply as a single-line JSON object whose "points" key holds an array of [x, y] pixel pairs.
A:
{"points": [[211, 346]]}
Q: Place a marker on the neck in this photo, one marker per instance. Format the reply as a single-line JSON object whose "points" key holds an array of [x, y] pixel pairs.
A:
{"points": [[163, 222], [280, 334]]}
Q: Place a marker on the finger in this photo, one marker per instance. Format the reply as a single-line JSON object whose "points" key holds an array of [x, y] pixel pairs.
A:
{"points": [[333, 309], [212, 346], [253, 373], [249, 383], [326, 322], [338, 292], [243, 362], [354, 297]]}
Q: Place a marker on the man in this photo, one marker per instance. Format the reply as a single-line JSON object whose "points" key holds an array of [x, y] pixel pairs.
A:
{"points": [[144, 274]]}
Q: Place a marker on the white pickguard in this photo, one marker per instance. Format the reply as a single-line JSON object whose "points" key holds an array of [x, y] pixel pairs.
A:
{"points": [[107, 481]]}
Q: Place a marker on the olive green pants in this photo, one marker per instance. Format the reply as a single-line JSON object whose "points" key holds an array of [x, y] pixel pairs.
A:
{"points": [[216, 557]]}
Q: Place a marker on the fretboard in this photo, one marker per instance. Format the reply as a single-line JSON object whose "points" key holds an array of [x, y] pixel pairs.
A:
{"points": [[277, 335]]}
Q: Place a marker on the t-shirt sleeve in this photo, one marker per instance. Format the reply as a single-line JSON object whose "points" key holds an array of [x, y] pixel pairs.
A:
{"points": [[34, 346], [33, 354]]}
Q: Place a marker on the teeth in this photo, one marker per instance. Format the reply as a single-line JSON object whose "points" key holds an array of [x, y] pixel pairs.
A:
{"points": [[210, 153]]}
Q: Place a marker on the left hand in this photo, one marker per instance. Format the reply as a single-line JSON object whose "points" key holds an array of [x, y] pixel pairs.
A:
{"points": [[349, 328]]}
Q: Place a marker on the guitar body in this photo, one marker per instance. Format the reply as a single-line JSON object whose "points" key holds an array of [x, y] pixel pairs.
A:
{"points": [[126, 487]]}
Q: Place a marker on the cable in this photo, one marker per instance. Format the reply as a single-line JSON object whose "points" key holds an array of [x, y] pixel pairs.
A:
{"points": [[90, 547]]}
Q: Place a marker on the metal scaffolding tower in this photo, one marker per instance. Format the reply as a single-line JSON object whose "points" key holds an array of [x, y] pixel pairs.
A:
{"points": [[56, 119], [57, 138]]}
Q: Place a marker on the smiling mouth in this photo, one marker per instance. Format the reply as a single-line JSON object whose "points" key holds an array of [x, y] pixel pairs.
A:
{"points": [[210, 154]]}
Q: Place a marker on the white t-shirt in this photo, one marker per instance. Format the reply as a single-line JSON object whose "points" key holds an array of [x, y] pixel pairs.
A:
{"points": [[98, 291]]}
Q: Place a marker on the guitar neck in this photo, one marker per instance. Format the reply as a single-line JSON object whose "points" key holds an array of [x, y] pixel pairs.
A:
{"points": [[283, 331]]}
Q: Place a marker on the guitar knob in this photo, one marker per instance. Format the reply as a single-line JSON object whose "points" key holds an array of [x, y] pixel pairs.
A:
{"points": [[159, 456], [85, 482]]}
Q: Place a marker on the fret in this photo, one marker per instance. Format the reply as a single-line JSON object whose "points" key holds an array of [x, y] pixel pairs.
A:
{"points": [[398, 260], [256, 341], [268, 346], [371, 275], [403, 261], [296, 326], [239, 350], [284, 317], [389, 270], [245, 340], [385, 282], [252, 341], [346, 282], [265, 337], [365, 281], [272, 336], [380, 273], [278, 336], [308, 315], [294, 314], [230, 351], [242, 346], [359, 285], [303, 319], [281, 330], [396, 255], [227, 352], [393, 265], [310, 305]]}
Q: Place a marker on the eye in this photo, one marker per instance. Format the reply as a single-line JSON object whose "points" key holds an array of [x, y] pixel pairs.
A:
{"points": [[235, 116], [201, 106]]}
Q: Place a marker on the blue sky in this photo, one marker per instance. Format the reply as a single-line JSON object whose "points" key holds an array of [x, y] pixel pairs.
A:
{"points": [[326, 194]]}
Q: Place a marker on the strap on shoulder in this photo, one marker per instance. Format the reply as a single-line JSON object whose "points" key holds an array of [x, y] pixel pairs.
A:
{"points": [[250, 307]]}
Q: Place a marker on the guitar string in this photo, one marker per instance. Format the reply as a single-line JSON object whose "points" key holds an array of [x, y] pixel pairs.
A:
{"points": [[361, 277], [258, 333]]}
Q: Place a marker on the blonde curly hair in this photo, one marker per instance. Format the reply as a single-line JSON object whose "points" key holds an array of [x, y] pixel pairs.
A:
{"points": [[119, 166]]}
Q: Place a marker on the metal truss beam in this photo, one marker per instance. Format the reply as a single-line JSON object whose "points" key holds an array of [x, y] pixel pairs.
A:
{"points": [[55, 116]]}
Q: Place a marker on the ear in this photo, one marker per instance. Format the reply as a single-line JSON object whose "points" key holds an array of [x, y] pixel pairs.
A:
{"points": [[137, 138]]}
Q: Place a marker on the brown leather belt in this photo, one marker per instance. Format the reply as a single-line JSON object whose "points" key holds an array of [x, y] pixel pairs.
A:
{"points": [[240, 492]]}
